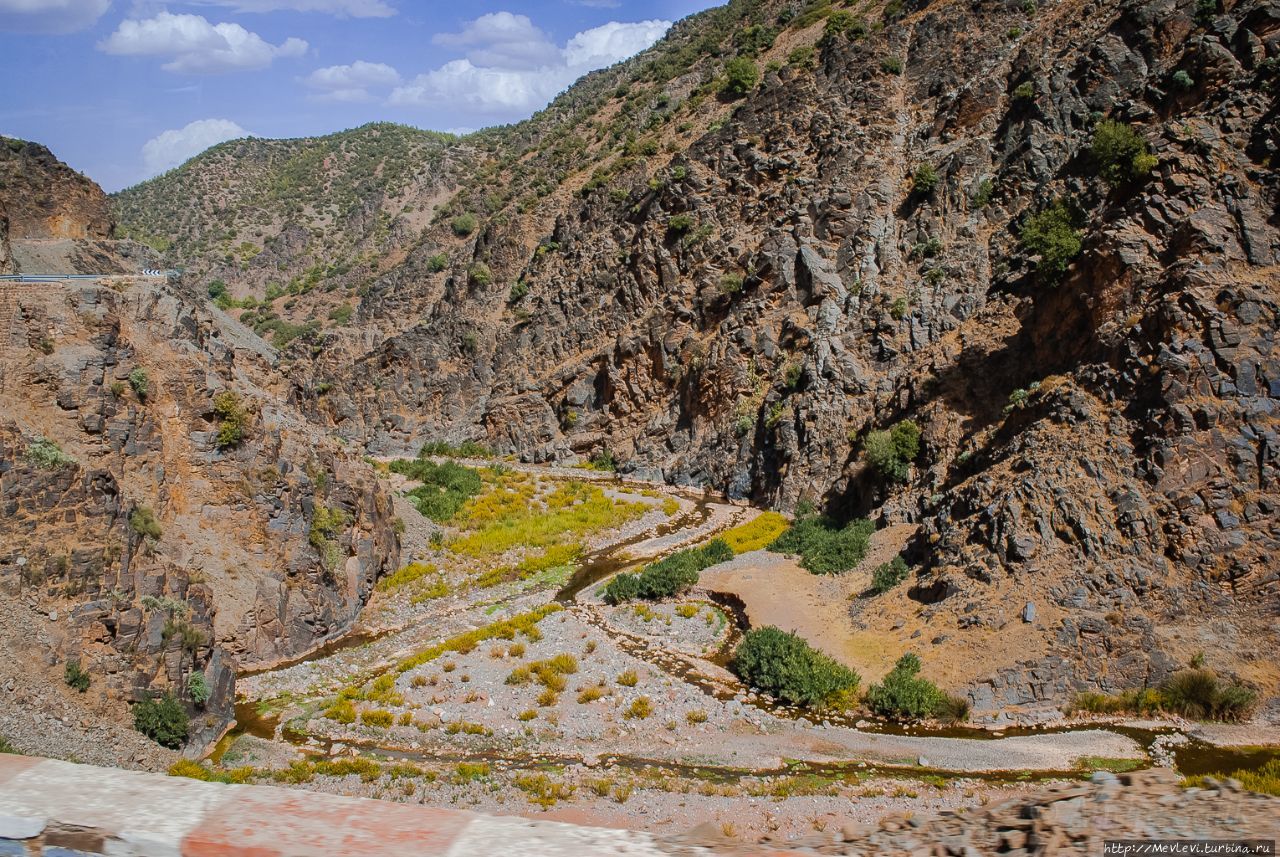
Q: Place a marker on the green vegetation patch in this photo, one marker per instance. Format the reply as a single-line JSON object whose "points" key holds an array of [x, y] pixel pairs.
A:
{"points": [[445, 486], [825, 547], [890, 452], [1052, 235], [1197, 693], [760, 532], [669, 576], [903, 695], [787, 667], [162, 719]]}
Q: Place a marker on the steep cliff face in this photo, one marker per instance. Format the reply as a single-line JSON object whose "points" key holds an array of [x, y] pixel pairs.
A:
{"points": [[161, 502], [48, 199], [735, 291]]}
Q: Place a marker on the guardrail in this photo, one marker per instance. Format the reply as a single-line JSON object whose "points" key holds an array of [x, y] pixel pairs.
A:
{"points": [[54, 278]]}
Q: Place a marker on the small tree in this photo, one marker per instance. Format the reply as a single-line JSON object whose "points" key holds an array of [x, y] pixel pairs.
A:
{"points": [[891, 452], [904, 696], [233, 419], [162, 719], [741, 76], [463, 225], [1120, 153], [924, 179], [1051, 235], [787, 667]]}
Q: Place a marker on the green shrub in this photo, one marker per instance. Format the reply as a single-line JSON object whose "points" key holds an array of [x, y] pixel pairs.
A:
{"points": [[891, 65], [233, 419], [463, 225], [217, 289], [786, 666], [986, 192], [825, 547], [731, 284], [1182, 80], [925, 179], [680, 223], [198, 688], [479, 274], [75, 676], [1025, 92], [1051, 234], [143, 522], [140, 382], [1120, 153], [162, 719], [1200, 695], [47, 455], [518, 290], [445, 487], [669, 576], [891, 452], [888, 575], [903, 695], [741, 75], [437, 263], [1206, 11]]}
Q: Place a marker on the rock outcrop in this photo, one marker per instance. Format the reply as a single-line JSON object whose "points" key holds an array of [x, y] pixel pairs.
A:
{"points": [[47, 199]]}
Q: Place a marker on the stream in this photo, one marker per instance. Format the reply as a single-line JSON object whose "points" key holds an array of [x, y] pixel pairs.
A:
{"points": [[710, 675]]}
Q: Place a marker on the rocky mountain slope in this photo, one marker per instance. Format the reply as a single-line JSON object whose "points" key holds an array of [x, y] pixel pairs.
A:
{"points": [[165, 514], [1045, 233]]}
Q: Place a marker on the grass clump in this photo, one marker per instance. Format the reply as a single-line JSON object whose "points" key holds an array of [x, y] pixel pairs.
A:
{"points": [[510, 515], [342, 712], [888, 575], [758, 533], [891, 451], [143, 522], [162, 719], [669, 576], [787, 667], [466, 772], [411, 573], [628, 678], [1052, 235], [524, 623], [639, 709], [555, 557], [542, 790], [196, 771], [1197, 693], [903, 695], [75, 676], [825, 547], [379, 718], [591, 694]]}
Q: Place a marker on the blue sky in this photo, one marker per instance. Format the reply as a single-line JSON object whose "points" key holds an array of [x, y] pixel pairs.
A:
{"points": [[124, 90]]}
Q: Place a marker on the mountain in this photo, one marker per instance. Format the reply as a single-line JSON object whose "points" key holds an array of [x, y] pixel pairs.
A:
{"points": [[167, 514], [1042, 234]]}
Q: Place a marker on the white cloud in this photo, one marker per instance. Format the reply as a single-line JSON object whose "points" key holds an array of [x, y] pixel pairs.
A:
{"points": [[195, 46], [503, 40], [171, 148], [351, 82], [340, 8], [511, 67], [50, 16]]}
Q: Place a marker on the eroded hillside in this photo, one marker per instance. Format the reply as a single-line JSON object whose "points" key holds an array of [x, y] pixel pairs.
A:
{"points": [[909, 215]]}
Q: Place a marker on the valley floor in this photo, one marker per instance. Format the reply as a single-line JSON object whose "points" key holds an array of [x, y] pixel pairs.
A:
{"points": [[446, 693]]}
